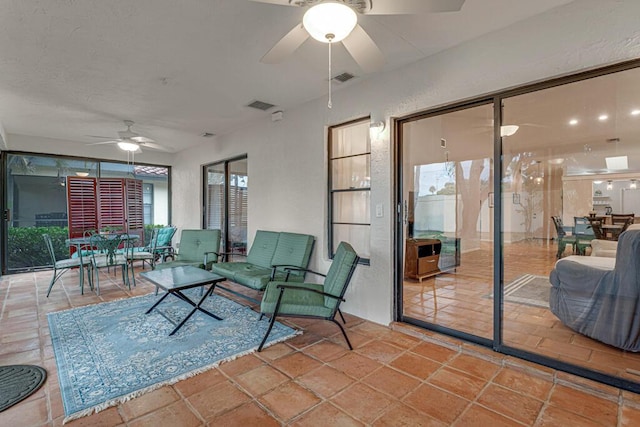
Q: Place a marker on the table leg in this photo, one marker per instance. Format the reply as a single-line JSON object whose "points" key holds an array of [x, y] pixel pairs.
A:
{"points": [[157, 302], [196, 307]]}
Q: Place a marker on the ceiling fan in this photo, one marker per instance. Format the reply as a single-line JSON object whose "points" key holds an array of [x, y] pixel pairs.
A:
{"points": [[129, 140], [331, 21]]}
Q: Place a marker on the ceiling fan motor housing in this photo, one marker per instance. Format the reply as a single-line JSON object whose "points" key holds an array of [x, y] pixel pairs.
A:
{"points": [[360, 6]]}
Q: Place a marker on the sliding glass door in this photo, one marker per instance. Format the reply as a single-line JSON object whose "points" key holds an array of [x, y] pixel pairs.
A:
{"points": [[448, 215], [225, 202], [537, 260]]}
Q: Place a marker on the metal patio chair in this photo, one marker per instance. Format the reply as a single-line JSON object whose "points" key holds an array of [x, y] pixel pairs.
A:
{"points": [[312, 300]]}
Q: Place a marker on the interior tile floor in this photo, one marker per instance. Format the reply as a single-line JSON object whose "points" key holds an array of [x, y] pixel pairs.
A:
{"points": [[397, 376], [463, 302]]}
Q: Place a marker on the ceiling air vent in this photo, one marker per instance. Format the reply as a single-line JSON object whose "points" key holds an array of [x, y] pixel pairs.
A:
{"points": [[344, 77], [260, 105]]}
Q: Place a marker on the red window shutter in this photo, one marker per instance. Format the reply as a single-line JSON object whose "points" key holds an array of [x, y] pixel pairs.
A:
{"points": [[111, 203], [135, 208], [81, 206]]}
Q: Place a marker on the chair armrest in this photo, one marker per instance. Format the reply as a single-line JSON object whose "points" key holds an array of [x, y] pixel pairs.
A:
{"points": [[206, 257], [290, 268], [282, 287]]}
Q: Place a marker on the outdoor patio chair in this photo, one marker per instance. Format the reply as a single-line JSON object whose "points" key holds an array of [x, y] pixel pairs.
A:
{"points": [[159, 247], [62, 266], [563, 238], [160, 244], [199, 248], [106, 255], [312, 300]]}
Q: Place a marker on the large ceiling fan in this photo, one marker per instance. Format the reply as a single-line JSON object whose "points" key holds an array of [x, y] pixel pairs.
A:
{"points": [[331, 21], [129, 140]]}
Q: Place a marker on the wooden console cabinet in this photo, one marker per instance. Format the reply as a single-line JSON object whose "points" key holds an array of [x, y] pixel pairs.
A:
{"points": [[421, 258]]}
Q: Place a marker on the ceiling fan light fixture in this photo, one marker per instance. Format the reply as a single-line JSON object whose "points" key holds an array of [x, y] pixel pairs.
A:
{"points": [[128, 146], [329, 22]]}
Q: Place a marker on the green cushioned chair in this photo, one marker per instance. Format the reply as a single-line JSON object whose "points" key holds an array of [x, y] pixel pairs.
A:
{"points": [[312, 300], [159, 247], [199, 248], [268, 258]]}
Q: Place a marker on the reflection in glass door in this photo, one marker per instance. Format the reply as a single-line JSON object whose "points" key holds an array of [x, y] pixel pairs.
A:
{"points": [[226, 197], [447, 200]]}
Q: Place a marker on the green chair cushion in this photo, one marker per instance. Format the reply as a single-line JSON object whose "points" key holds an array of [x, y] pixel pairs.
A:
{"points": [[339, 273], [293, 249], [296, 302], [193, 245], [263, 248], [164, 236]]}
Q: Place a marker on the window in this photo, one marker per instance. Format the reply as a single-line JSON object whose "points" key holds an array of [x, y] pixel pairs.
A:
{"points": [[35, 198], [147, 203], [350, 187]]}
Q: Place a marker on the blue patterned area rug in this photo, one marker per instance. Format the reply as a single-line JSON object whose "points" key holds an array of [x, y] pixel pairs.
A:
{"points": [[111, 352]]}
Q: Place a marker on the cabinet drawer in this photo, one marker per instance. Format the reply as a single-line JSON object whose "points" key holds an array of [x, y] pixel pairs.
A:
{"points": [[427, 264]]}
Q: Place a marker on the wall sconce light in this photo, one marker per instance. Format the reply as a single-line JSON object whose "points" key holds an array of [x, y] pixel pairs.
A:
{"points": [[633, 184], [376, 129], [508, 130], [82, 174], [609, 185]]}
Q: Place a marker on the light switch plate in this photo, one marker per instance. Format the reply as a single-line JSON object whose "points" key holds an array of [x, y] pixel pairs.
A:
{"points": [[379, 212]]}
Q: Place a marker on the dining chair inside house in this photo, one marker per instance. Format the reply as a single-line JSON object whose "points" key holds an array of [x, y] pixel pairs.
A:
{"points": [[596, 227], [564, 239], [624, 220], [584, 234], [63, 265], [106, 255]]}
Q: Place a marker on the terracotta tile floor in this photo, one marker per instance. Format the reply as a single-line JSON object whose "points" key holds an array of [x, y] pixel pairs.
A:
{"points": [[398, 376]]}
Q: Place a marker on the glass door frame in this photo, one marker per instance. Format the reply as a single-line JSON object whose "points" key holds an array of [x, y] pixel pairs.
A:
{"points": [[225, 227], [497, 343], [399, 241]]}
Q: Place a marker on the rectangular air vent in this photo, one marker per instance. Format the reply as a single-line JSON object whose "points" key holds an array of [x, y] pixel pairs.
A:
{"points": [[344, 77], [260, 105]]}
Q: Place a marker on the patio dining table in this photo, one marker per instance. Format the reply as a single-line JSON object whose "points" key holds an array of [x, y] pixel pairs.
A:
{"points": [[80, 242]]}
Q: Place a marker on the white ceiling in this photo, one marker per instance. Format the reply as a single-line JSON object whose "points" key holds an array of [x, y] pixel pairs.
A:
{"points": [[72, 68]]}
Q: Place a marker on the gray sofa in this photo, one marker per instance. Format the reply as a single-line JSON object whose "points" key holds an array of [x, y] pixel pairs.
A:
{"points": [[600, 297]]}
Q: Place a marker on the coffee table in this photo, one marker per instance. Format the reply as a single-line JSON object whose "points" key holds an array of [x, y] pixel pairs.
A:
{"points": [[177, 279]]}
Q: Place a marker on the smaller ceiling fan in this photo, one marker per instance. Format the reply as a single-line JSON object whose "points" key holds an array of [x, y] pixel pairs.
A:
{"points": [[130, 141], [332, 21]]}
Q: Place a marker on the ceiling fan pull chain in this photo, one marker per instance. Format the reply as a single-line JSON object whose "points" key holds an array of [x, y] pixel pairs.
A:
{"points": [[329, 105]]}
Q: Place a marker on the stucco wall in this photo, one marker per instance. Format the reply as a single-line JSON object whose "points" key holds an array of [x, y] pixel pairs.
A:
{"points": [[287, 159]]}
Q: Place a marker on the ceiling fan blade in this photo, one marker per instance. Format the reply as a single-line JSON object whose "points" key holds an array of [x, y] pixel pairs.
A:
{"points": [[410, 7], [286, 46], [154, 146], [364, 50], [100, 136], [141, 139], [278, 2], [115, 141]]}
